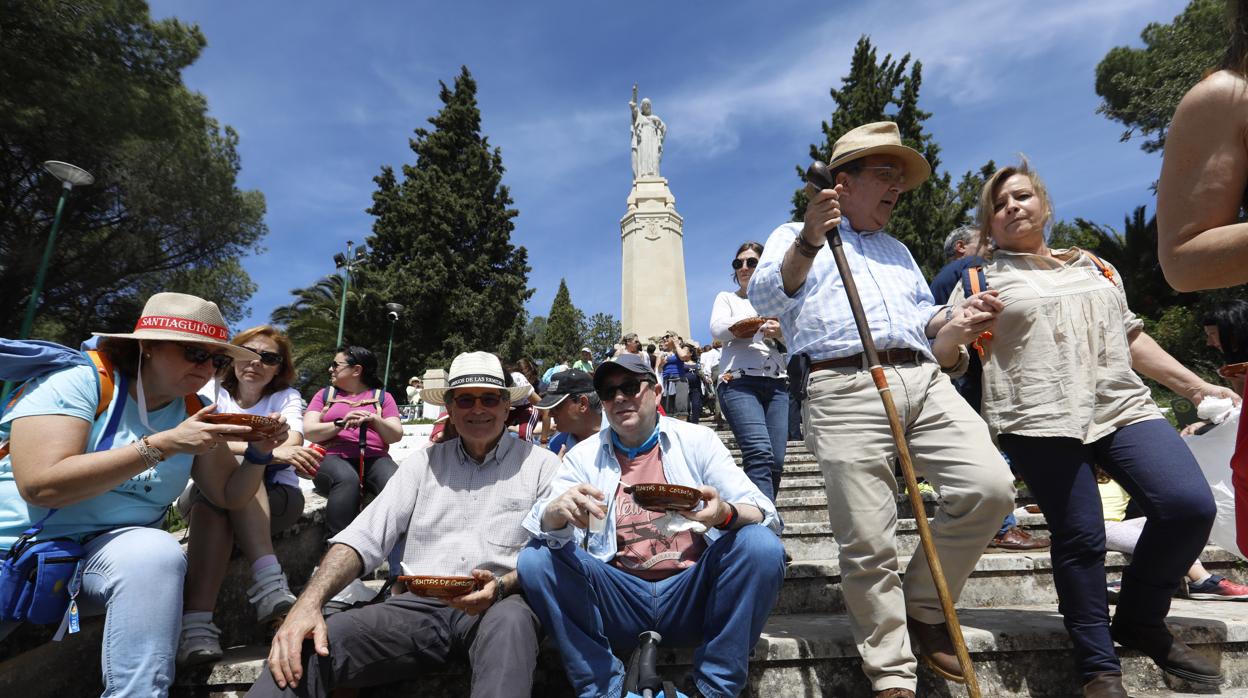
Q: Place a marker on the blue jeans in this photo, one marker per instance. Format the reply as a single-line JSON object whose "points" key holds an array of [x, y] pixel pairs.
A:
{"points": [[757, 410], [719, 605], [1156, 468], [134, 577]]}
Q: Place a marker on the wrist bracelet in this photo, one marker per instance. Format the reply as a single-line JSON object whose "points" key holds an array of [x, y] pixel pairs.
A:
{"points": [[150, 454], [804, 248], [251, 455], [732, 518]]}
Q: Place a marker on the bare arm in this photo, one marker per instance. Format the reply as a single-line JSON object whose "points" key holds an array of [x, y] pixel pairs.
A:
{"points": [[1199, 241], [823, 214], [316, 430], [1149, 358], [339, 566]]}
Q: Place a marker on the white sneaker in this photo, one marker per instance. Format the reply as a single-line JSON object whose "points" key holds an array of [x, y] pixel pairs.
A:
{"points": [[199, 643], [271, 595]]}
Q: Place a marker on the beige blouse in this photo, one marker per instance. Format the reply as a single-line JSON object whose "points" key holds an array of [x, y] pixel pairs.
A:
{"points": [[1059, 363]]}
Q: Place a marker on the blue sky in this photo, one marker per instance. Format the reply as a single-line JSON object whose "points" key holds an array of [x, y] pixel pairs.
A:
{"points": [[323, 94]]}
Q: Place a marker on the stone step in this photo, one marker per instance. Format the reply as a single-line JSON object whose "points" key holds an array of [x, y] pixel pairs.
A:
{"points": [[810, 505], [1018, 650], [814, 540], [1000, 579]]}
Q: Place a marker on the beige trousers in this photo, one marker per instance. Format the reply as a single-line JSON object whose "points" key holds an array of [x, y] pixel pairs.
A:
{"points": [[846, 428]]}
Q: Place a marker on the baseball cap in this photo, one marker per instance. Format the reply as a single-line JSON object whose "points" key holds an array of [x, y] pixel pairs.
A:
{"points": [[563, 384], [631, 363]]}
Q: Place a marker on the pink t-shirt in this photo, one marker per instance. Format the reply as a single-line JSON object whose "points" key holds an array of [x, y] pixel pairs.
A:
{"points": [[346, 443], [642, 551]]}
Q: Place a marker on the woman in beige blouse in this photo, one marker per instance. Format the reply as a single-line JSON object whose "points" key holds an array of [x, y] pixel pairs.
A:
{"points": [[1061, 395]]}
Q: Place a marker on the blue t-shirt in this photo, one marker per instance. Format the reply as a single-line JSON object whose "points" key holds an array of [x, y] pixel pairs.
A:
{"points": [[673, 367], [139, 501]]}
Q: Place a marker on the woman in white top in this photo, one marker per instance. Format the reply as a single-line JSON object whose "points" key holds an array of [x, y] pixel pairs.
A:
{"points": [[752, 390], [260, 386]]}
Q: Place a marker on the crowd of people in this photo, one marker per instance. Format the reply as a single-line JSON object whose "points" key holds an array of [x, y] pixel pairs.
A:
{"points": [[534, 487]]}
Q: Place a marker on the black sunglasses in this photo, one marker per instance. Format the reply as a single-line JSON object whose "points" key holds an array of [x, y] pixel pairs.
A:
{"points": [[488, 401], [268, 358], [750, 262], [198, 355], [630, 388]]}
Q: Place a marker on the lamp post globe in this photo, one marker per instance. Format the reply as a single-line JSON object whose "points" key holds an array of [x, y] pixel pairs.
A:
{"points": [[392, 310], [347, 263], [70, 176]]}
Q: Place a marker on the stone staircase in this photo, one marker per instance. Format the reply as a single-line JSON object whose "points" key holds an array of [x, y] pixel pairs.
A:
{"points": [[1008, 611]]}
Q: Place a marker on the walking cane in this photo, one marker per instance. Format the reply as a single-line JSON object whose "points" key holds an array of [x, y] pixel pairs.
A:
{"points": [[819, 176], [363, 443]]}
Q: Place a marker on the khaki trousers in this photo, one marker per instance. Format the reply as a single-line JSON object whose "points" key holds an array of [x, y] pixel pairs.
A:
{"points": [[848, 432]]}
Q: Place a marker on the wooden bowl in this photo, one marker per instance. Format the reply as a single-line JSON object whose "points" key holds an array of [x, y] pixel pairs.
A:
{"points": [[749, 325], [660, 496], [261, 427], [437, 587]]}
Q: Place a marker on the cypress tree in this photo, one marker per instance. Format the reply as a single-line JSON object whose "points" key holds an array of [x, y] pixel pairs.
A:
{"points": [[564, 333]]}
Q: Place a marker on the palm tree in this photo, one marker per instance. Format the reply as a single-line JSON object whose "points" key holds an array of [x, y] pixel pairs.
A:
{"points": [[1134, 254], [311, 322]]}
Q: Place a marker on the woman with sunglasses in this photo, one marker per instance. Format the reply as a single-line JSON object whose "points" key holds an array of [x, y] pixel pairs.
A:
{"points": [[260, 386], [106, 479], [752, 391], [334, 419]]}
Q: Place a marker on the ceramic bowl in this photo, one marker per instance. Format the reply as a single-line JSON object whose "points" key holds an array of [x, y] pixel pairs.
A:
{"points": [[437, 587], [660, 496], [261, 427]]}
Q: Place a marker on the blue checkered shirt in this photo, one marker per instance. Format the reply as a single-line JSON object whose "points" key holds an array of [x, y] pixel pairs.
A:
{"points": [[817, 319]]}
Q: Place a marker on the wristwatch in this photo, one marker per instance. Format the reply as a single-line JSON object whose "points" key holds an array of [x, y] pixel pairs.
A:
{"points": [[499, 590], [340, 423]]}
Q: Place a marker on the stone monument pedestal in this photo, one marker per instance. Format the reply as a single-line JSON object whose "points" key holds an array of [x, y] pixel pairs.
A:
{"points": [[654, 296]]}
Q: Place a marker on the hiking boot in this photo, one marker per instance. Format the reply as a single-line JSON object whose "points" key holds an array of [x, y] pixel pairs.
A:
{"points": [[1016, 539], [1170, 654], [271, 595], [1108, 685], [199, 643], [1217, 588], [932, 645], [895, 693]]}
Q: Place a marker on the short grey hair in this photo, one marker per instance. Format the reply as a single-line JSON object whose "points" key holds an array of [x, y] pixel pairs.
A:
{"points": [[964, 234]]}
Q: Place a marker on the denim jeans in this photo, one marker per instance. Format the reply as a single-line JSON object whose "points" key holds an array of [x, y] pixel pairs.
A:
{"points": [[757, 410], [134, 577], [1154, 466], [719, 605]]}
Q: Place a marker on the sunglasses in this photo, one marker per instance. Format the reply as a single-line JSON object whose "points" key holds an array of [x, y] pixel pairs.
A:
{"points": [[268, 358], [750, 262], [198, 355], [630, 388], [335, 366], [488, 401]]}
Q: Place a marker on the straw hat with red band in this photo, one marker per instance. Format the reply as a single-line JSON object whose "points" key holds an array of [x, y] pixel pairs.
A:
{"points": [[880, 138], [179, 317]]}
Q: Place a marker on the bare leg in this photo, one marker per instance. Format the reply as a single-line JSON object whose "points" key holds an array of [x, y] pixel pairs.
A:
{"points": [[208, 556], [251, 526], [1197, 572]]}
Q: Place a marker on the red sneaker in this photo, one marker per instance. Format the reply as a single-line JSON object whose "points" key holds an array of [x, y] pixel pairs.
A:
{"points": [[1217, 588]]}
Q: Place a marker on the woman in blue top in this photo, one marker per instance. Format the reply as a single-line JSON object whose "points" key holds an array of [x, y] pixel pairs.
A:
{"points": [[675, 384], [111, 479]]}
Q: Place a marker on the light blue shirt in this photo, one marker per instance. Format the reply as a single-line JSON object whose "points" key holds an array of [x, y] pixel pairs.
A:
{"points": [[817, 319], [692, 455], [139, 501]]}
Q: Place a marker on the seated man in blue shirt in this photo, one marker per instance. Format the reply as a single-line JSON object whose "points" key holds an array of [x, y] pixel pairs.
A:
{"points": [[636, 570]]}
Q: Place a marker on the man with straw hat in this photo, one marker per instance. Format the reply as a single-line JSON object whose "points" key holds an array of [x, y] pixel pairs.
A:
{"points": [[844, 420], [474, 491]]}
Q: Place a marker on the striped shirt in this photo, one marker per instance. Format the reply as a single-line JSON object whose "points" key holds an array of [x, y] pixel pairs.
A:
{"points": [[458, 514], [817, 319]]}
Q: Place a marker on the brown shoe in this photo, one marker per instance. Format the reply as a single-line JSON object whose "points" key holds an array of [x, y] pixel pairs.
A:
{"points": [[932, 645], [1108, 685], [1016, 538], [1171, 654], [895, 693]]}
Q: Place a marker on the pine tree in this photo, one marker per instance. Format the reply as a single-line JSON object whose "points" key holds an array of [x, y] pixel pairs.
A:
{"points": [[441, 246], [564, 334], [882, 90]]}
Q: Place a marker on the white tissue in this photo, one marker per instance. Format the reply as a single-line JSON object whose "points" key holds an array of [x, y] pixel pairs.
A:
{"points": [[671, 523], [1215, 409]]}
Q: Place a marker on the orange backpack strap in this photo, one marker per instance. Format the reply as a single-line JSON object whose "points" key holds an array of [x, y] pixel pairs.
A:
{"points": [[104, 369], [1104, 268]]}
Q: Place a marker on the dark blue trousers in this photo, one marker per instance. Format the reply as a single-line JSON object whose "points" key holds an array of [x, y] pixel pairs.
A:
{"points": [[757, 410]]}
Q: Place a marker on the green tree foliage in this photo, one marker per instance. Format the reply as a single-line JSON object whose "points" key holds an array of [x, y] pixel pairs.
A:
{"points": [[602, 332], [883, 90], [99, 85], [1141, 87], [565, 329], [441, 247], [311, 322]]}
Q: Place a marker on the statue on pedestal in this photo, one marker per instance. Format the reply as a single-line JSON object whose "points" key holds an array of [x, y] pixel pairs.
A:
{"points": [[648, 133]]}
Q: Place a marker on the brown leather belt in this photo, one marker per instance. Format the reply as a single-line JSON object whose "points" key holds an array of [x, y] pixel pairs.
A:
{"points": [[888, 356]]}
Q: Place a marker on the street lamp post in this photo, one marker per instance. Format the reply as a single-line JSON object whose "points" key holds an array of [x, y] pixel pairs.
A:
{"points": [[70, 176], [393, 310], [347, 263]]}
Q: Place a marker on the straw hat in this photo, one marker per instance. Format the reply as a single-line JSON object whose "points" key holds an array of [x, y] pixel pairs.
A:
{"points": [[880, 138], [179, 317], [474, 369]]}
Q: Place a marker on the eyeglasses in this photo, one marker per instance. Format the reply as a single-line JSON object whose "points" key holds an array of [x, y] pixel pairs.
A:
{"points": [[629, 388], [198, 355], [488, 401], [268, 358], [889, 174], [750, 262]]}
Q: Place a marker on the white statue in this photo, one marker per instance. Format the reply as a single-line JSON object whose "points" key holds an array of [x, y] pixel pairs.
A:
{"points": [[648, 133]]}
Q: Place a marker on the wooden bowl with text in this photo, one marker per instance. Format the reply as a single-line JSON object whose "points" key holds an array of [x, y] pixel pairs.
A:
{"points": [[437, 587], [261, 427], [747, 327], [660, 496]]}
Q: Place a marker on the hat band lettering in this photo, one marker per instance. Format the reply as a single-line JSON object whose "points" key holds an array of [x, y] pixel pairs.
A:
{"points": [[180, 324], [477, 378]]}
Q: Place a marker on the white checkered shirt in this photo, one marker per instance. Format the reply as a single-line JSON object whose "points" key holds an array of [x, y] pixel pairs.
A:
{"points": [[817, 319]]}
